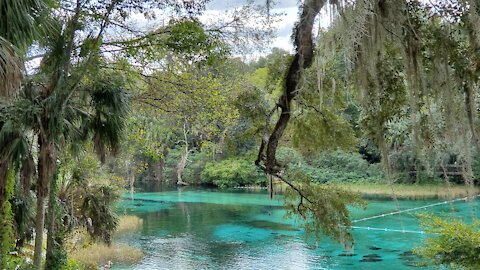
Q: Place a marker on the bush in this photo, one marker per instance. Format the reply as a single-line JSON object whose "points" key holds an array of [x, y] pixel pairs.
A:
{"points": [[451, 243], [289, 156], [232, 172], [339, 166]]}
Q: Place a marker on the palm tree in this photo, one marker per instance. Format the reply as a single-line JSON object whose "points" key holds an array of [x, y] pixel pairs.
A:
{"points": [[54, 89], [98, 116], [20, 24]]}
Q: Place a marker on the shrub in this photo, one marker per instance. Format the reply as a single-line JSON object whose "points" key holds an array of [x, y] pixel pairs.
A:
{"points": [[451, 243], [339, 166], [238, 171]]}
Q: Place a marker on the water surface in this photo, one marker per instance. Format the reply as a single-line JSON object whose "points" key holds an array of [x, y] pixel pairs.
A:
{"points": [[212, 229]]}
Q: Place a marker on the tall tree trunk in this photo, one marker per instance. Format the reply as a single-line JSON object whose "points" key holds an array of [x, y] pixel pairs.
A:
{"points": [[385, 159], [471, 109], [181, 166], [54, 241], [183, 160], [47, 159], [39, 222]]}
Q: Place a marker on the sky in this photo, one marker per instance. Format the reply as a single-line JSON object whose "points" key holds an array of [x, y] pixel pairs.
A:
{"points": [[288, 9]]}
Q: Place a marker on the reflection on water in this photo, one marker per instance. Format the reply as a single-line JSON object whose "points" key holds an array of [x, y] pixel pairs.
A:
{"points": [[211, 229]]}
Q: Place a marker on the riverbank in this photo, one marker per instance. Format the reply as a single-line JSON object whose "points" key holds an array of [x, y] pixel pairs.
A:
{"points": [[414, 191]]}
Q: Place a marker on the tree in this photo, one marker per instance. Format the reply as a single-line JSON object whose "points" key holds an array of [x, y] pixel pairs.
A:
{"points": [[195, 104], [328, 213], [66, 98], [59, 84], [20, 23], [390, 52]]}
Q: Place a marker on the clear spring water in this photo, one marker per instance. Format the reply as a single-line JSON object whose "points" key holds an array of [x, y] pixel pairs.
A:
{"points": [[212, 229]]}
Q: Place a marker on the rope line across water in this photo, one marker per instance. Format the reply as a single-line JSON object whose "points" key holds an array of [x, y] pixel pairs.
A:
{"points": [[414, 209], [387, 230]]}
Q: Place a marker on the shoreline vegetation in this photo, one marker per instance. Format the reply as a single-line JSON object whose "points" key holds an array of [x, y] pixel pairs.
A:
{"points": [[92, 255], [412, 191], [399, 191]]}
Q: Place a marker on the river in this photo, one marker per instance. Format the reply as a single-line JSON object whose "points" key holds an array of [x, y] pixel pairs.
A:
{"points": [[240, 229]]}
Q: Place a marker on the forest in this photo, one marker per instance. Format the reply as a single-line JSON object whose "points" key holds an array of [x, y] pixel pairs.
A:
{"points": [[100, 97]]}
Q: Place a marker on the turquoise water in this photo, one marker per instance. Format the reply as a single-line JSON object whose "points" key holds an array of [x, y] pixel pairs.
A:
{"points": [[211, 229]]}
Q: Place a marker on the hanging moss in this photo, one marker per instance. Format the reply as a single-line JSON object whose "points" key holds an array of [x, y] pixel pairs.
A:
{"points": [[415, 65]]}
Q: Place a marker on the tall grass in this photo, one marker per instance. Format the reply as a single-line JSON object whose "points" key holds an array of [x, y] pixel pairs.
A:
{"points": [[98, 254], [128, 224], [403, 191], [91, 256]]}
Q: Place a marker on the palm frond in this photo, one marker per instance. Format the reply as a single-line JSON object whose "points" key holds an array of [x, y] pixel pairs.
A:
{"points": [[10, 71], [13, 144], [110, 102], [21, 22]]}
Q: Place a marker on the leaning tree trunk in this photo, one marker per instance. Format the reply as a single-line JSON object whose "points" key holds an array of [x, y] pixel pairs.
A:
{"points": [[302, 60], [47, 158]]}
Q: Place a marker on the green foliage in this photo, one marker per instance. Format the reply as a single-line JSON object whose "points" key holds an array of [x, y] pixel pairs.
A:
{"points": [[71, 265], [232, 172], [98, 206], [313, 131], [323, 208], [6, 223], [188, 39], [452, 243], [111, 104], [289, 156], [339, 166], [16, 262], [86, 194], [259, 78], [147, 135], [252, 105], [331, 166], [196, 164], [23, 21], [386, 93]]}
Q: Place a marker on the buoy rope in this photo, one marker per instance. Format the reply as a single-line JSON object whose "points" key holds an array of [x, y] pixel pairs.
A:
{"points": [[415, 208], [387, 230]]}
